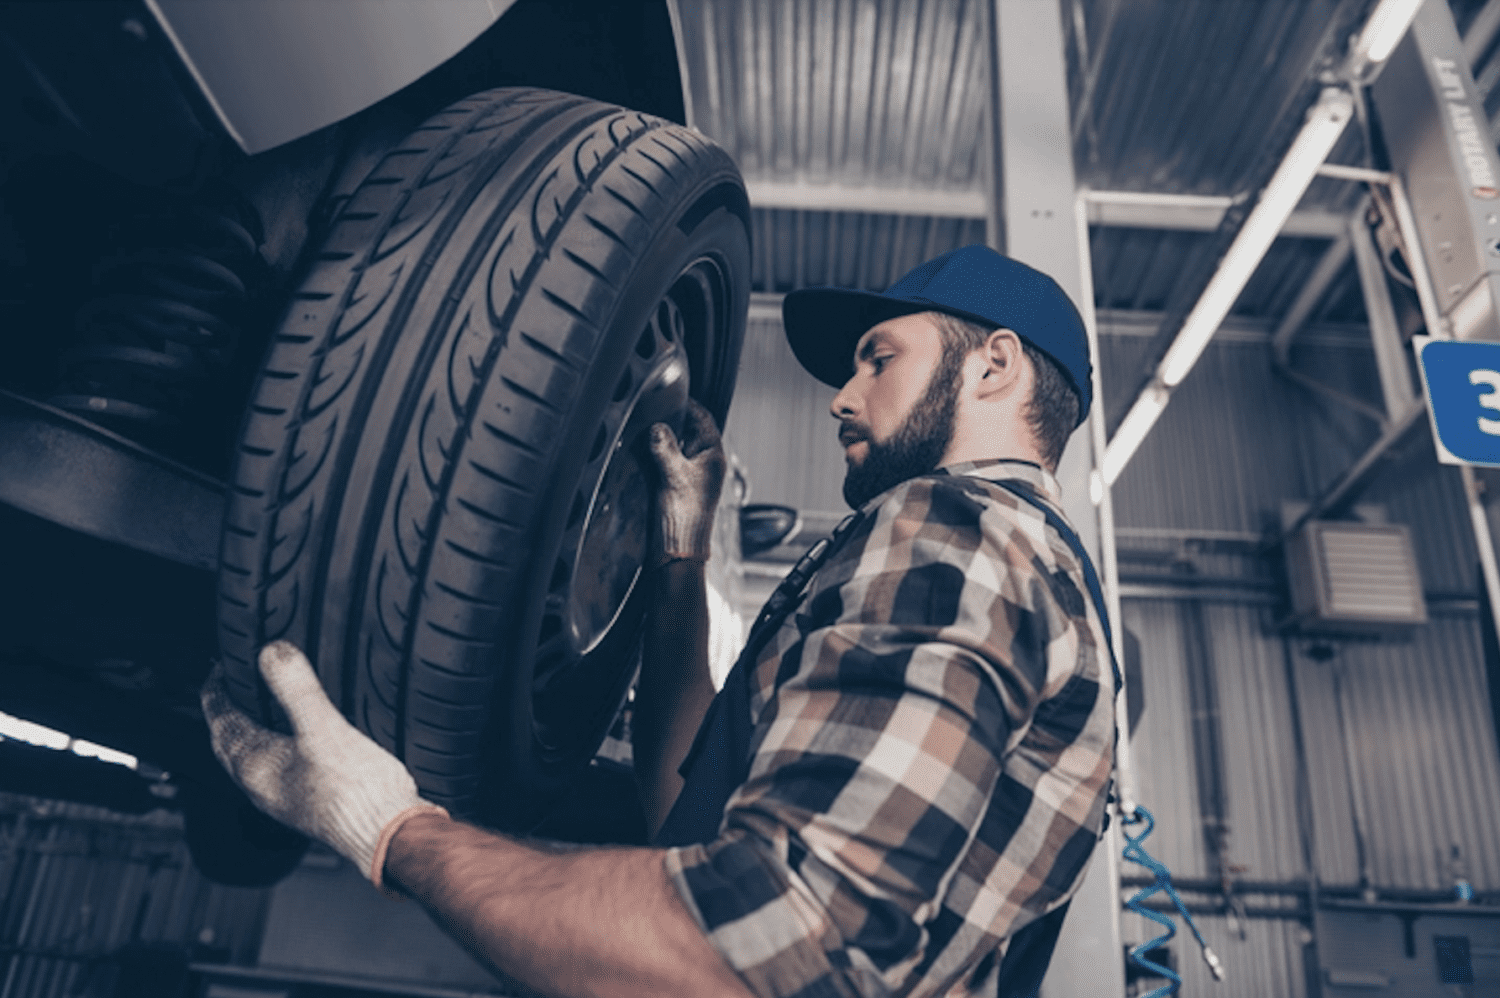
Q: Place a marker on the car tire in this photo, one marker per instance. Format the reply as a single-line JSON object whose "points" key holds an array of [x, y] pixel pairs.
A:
{"points": [[441, 488]]}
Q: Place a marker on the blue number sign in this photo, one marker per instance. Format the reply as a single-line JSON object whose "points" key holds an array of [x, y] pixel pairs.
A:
{"points": [[1462, 381]]}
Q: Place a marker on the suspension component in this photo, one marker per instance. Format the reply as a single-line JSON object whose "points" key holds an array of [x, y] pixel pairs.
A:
{"points": [[162, 318]]}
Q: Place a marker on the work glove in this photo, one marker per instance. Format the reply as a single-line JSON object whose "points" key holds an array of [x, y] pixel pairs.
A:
{"points": [[692, 476], [326, 779]]}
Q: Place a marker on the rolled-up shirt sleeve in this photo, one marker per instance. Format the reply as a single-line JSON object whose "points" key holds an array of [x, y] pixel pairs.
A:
{"points": [[878, 748]]}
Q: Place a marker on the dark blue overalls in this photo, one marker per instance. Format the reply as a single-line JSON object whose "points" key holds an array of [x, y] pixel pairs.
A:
{"points": [[719, 760]]}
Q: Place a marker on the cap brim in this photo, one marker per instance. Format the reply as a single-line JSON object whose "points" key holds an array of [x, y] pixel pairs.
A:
{"points": [[824, 324]]}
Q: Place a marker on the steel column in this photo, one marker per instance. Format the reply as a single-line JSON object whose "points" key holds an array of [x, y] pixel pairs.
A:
{"points": [[1032, 218], [1390, 353]]}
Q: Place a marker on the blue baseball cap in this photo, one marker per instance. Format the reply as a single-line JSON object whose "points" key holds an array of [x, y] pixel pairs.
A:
{"points": [[972, 282]]}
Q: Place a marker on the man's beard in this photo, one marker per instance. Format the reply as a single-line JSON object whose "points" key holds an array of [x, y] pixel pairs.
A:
{"points": [[917, 445]]}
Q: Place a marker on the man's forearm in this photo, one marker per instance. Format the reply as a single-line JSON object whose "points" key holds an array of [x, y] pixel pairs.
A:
{"points": [[596, 922], [675, 686]]}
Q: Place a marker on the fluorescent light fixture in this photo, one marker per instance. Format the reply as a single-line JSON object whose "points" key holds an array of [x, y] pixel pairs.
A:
{"points": [[1383, 31], [1133, 429], [32, 733], [89, 750], [1325, 123]]}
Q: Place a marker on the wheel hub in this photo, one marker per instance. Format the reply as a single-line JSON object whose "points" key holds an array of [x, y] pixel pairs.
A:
{"points": [[616, 531]]}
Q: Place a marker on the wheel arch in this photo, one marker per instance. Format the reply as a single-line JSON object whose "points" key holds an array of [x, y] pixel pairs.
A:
{"points": [[617, 52]]}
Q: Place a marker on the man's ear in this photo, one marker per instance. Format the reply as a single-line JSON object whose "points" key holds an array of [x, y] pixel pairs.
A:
{"points": [[1001, 356]]}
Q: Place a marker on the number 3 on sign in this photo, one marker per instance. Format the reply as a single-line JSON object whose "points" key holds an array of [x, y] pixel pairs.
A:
{"points": [[1490, 399], [1461, 382]]}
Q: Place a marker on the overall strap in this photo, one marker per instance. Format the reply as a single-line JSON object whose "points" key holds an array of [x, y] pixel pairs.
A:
{"points": [[1030, 950], [719, 759], [1024, 491]]}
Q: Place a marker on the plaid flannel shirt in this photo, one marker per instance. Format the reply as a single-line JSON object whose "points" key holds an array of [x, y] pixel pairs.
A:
{"points": [[933, 742]]}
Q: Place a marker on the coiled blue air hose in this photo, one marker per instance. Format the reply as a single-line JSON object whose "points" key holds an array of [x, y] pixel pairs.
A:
{"points": [[1136, 853]]}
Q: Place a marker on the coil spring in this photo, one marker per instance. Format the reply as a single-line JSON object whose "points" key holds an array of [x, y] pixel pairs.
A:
{"points": [[162, 318]]}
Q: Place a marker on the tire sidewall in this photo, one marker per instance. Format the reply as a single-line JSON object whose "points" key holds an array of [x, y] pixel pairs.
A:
{"points": [[518, 781]]}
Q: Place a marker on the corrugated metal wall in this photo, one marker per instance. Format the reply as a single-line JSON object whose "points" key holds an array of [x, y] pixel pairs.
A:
{"points": [[1237, 441], [779, 425], [81, 885], [1423, 758]]}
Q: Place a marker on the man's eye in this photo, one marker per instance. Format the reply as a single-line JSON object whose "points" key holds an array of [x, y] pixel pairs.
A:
{"points": [[879, 362]]}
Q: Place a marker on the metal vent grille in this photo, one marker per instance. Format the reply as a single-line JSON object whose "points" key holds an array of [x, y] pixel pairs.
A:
{"points": [[1355, 576]]}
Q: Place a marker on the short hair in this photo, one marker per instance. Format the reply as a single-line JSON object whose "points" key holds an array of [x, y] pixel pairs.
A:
{"points": [[1052, 412]]}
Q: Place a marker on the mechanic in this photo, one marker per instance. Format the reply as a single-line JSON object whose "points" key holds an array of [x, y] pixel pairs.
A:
{"points": [[898, 788]]}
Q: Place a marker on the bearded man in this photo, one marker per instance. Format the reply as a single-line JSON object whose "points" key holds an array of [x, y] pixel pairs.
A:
{"points": [[899, 786]]}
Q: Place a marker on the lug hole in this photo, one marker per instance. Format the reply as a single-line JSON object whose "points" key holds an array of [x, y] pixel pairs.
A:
{"points": [[646, 345]]}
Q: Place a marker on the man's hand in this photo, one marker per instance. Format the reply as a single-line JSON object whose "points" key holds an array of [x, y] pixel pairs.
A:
{"points": [[326, 779], [692, 475]]}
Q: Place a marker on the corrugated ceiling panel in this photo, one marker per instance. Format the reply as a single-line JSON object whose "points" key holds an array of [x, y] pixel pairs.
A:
{"points": [[798, 249], [1161, 93], [1147, 270], [883, 92]]}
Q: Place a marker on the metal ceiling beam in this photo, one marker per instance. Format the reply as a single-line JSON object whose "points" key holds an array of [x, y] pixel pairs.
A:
{"points": [[1349, 486], [1114, 209], [1482, 31], [765, 306], [1195, 213], [870, 199]]}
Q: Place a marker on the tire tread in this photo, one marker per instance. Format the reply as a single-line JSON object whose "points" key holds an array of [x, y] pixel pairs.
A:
{"points": [[441, 327]]}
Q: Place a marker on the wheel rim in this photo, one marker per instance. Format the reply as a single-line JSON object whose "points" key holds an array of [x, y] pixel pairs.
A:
{"points": [[615, 531], [586, 647]]}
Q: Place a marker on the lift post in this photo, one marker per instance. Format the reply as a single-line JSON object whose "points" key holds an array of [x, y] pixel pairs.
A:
{"points": [[1436, 134]]}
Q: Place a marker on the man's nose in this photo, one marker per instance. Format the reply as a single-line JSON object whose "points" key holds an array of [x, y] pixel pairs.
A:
{"points": [[844, 403]]}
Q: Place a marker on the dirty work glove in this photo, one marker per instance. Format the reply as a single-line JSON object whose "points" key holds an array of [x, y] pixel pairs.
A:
{"points": [[692, 476], [326, 779]]}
